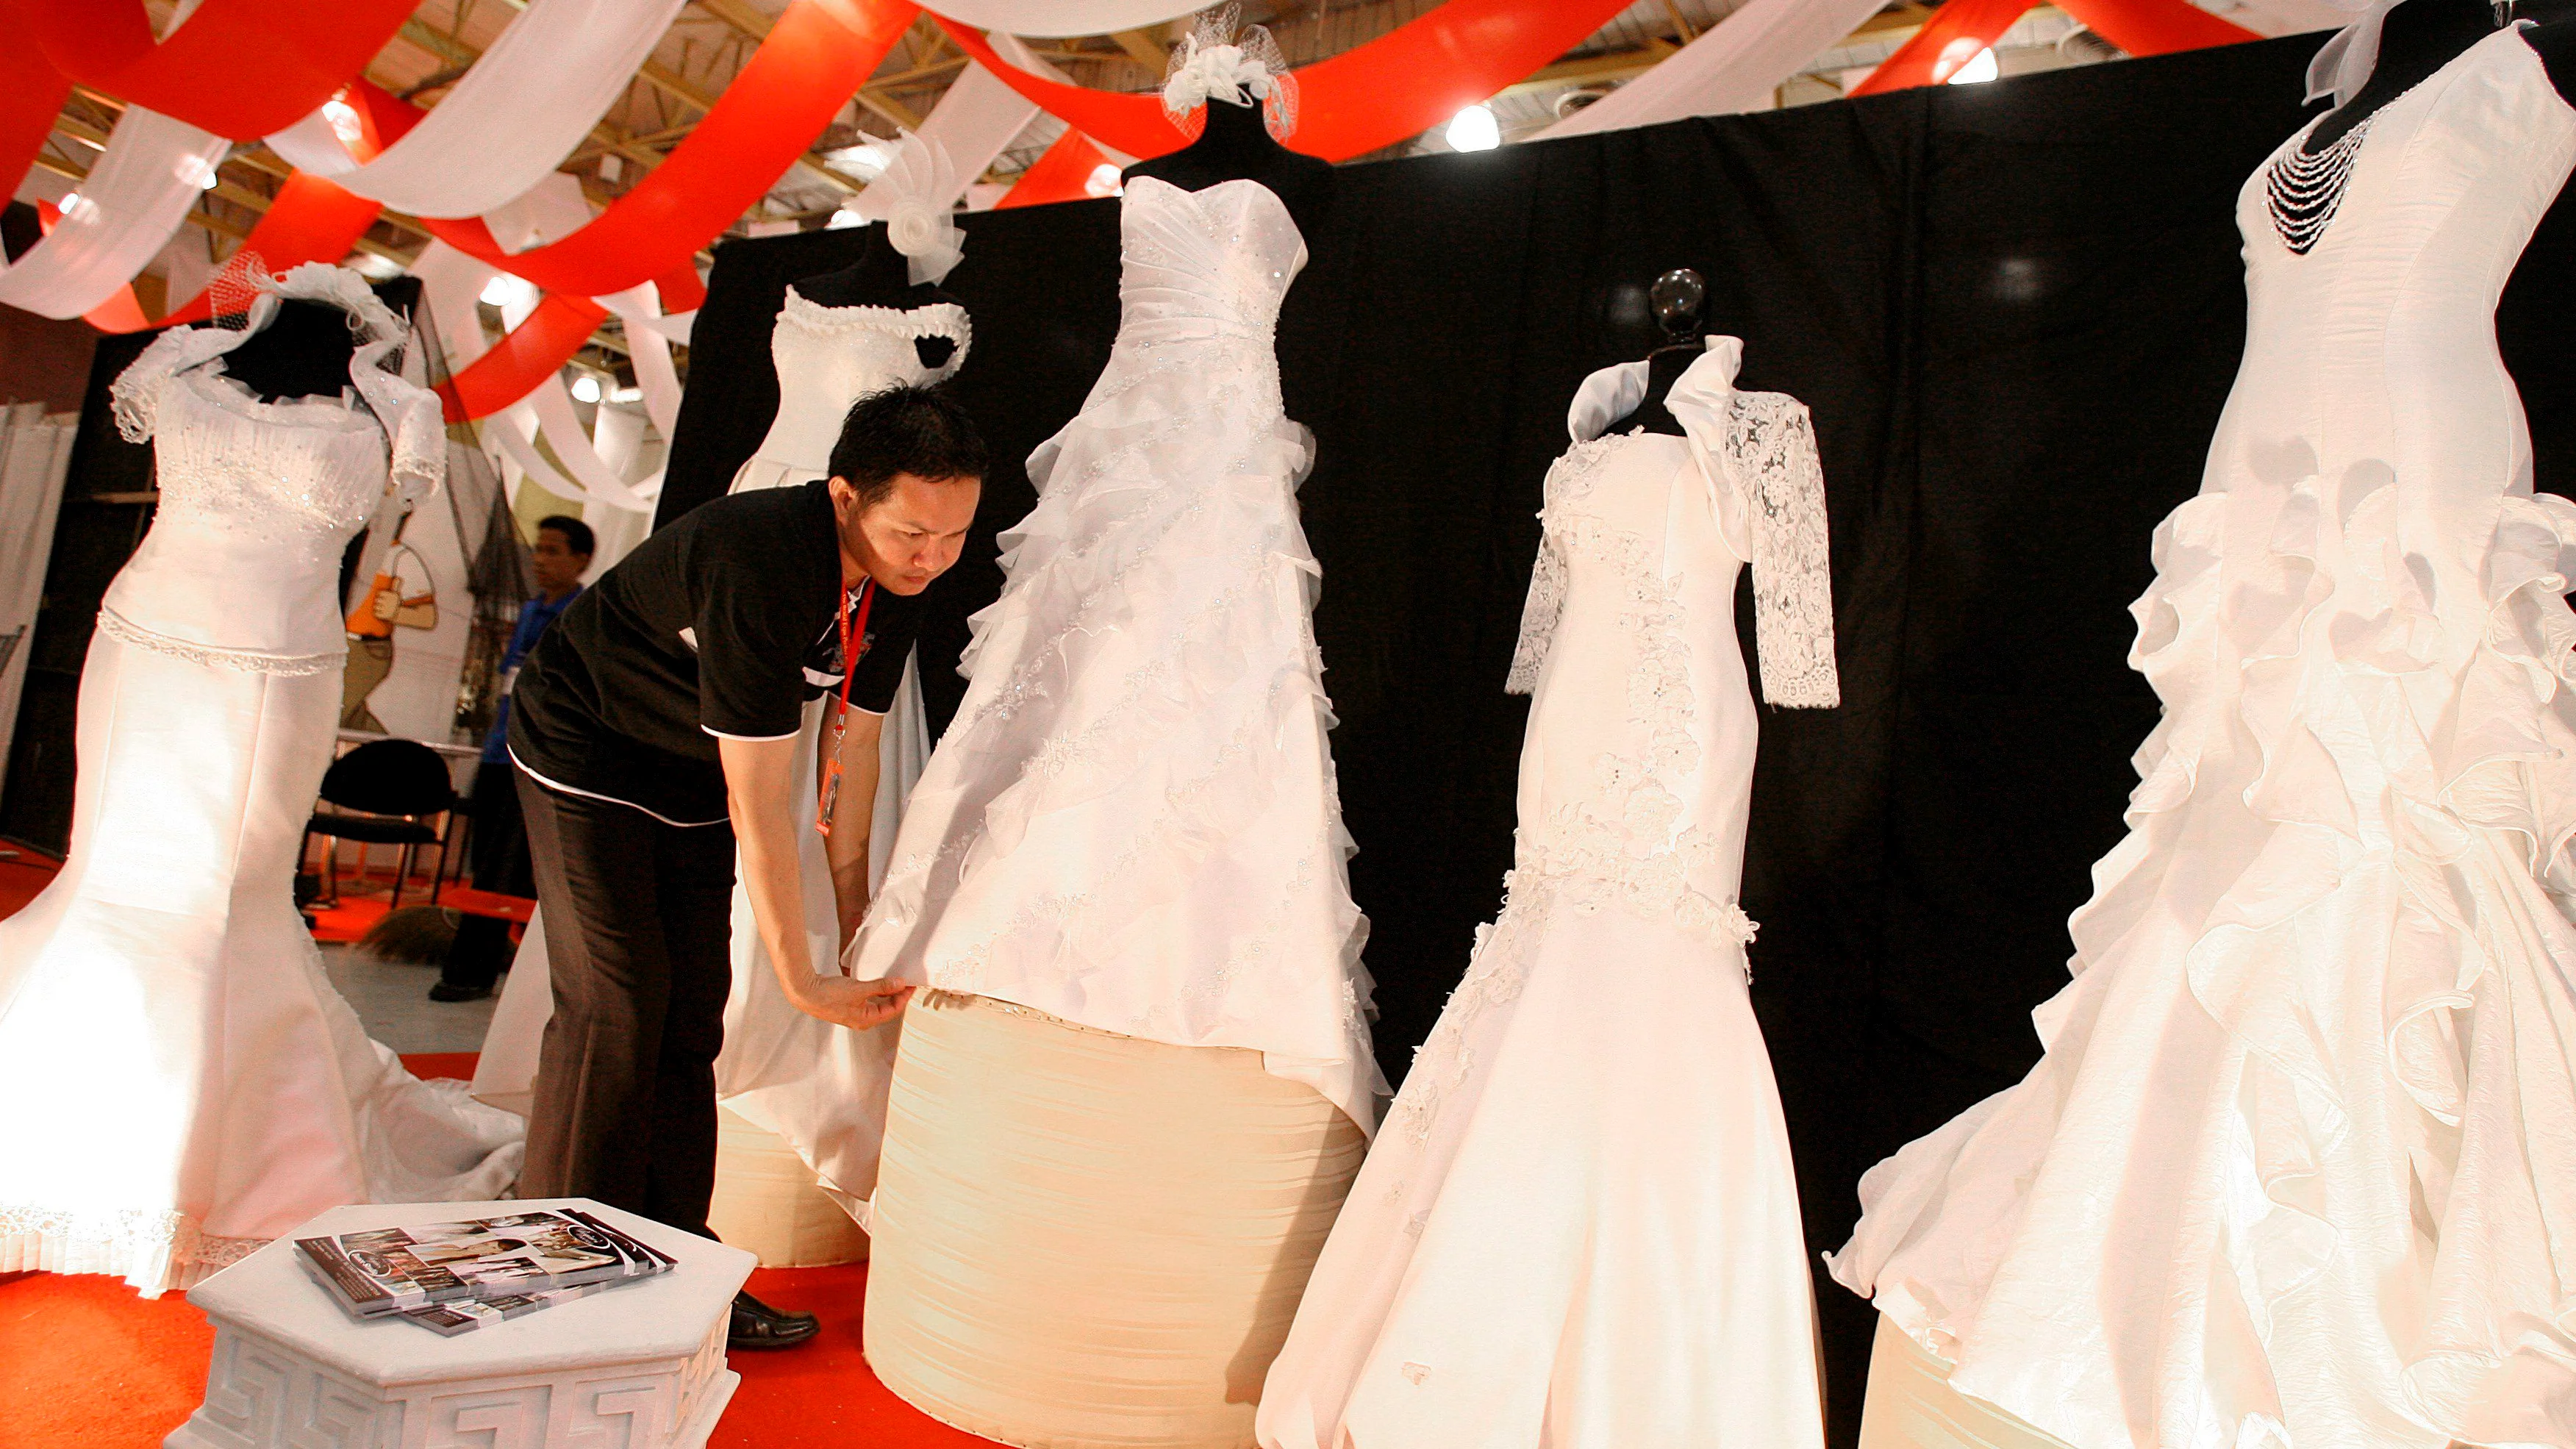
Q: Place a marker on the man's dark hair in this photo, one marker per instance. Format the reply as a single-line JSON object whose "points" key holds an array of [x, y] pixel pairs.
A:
{"points": [[577, 535], [916, 430]]}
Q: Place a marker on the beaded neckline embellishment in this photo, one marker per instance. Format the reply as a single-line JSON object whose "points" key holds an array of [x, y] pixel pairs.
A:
{"points": [[2303, 189]]}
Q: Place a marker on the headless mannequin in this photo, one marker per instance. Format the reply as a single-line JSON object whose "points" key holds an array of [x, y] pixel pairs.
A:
{"points": [[1237, 146], [863, 284], [2420, 37], [1678, 296], [304, 351]]}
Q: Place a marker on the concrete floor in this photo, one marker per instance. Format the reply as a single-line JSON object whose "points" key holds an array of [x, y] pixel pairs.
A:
{"points": [[392, 998]]}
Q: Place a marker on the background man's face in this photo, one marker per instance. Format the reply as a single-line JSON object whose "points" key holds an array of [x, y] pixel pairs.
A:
{"points": [[557, 567], [915, 532]]}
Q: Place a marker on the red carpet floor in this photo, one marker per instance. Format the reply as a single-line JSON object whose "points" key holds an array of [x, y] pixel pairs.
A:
{"points": [[85, 1364]]}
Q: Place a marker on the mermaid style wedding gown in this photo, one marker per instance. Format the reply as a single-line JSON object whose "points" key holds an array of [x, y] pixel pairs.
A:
{"points": [[2299, 1165], [178, 1080], [1579, 1227]]}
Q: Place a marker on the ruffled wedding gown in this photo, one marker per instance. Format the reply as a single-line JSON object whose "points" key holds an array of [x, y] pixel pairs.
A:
{"points": [[1579, 1227], [2299, 1166], [1132, 823], [178, 1080]]}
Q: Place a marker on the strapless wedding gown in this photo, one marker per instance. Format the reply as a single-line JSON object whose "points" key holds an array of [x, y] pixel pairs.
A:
{"points": [[2299, 1165], [796, 1080], [1579, 1227], [1132, 823], [179, 1082]]}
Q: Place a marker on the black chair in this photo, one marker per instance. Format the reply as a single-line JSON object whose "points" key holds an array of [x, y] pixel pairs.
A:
{"points": [[383, 793]]}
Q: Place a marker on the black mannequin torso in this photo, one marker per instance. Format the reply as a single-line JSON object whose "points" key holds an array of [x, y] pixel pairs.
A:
{"points": [[1237, 146], [2420, 37], [1678, 298], [304, 351], [862, 284]]}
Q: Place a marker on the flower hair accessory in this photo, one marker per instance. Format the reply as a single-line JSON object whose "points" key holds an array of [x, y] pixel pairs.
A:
{"points": [[1218, 62], [913, 198]]}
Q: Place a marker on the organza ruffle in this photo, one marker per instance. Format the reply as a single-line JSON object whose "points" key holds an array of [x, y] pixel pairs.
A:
{"points": [[2315, 1063]]}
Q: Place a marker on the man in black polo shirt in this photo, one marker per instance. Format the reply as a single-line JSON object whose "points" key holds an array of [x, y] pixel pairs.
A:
{"points": [[654, 729]]}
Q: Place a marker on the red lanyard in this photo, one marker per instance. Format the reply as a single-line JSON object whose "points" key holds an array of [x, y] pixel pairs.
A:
{"points": [[831, 789]]}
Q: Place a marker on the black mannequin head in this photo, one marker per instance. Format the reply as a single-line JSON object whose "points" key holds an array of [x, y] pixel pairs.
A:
{"points": [[1677, 297], [304, 351]]}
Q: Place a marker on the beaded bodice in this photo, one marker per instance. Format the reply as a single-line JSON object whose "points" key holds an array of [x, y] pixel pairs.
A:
{"points": [[830, 357], [1197, 264]]}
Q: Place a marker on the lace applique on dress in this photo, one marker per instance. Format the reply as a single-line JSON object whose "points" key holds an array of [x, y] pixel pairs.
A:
{"points": [[1771, 457], [1569, 478]]}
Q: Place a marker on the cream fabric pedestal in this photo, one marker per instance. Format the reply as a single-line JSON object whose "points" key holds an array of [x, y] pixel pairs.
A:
{"points": [[1912, 1406], [768, 1203], [1086, 1240]]}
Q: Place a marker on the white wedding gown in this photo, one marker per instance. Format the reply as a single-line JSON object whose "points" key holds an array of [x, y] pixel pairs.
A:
{"points": [[1579, 1227], [179, 1082], [817, 1086], [2299, 1165], [1132, 823]]}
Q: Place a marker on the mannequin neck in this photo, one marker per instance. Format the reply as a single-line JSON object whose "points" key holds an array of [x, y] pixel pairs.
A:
{"points": [[1236, 145], [1664, 367], [304, 351], [2416, 39]]}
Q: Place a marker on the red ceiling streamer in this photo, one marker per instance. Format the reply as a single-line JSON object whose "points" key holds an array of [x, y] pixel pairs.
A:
{"points": [[309, 220], [533, 351], [238, 68], [1962, 28], [1394, 87], [1062, 173], [819, 52]]}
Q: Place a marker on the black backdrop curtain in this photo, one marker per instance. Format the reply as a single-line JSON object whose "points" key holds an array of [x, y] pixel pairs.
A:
{"points": [[2015, 310]]}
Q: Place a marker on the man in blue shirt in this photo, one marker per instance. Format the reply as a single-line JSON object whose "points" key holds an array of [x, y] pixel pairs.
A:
{"points": [[483, 950]]}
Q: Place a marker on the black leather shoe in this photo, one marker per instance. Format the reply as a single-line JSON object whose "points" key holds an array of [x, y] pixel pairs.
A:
{"points": [[757, 1325], [444, 992]]}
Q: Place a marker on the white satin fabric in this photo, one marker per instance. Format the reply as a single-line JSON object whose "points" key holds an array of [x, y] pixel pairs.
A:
{"points": [[1132, 823], [178, 1080], [1579, 1227], [523, 107], [2298, 1164], [1738, 64], [818, 1086], [129, 205]]}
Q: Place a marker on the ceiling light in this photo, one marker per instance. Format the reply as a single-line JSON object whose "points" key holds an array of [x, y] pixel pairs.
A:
{"points": [[1103, 181], [844, 219], [585, 388], [1474, 129], [1979, 67], [505, 291], [863, 161], [199, 172], [344, 120], [627, 395]]}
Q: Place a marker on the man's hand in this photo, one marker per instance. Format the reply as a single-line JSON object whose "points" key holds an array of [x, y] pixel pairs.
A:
{"points": [[857, 1005]]}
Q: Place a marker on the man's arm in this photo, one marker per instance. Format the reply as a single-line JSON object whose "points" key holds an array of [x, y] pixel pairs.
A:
{"points": [[759, 775], [855, 820]]}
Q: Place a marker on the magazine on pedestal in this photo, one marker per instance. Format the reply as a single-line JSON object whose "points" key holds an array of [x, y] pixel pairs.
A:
{"points": [[515, 1256]]}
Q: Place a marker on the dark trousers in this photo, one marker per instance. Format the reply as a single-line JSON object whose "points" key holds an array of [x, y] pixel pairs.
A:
{"points": [[637, 921], [482, 949]]}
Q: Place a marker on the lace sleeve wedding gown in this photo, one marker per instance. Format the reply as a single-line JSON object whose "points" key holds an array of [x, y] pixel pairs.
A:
{"points": [[178, 1080], [2299, 1164], [1579, 1227]]}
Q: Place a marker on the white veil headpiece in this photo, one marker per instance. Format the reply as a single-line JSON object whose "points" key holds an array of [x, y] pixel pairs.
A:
{"points": [[914, 197], [1222, 60]]}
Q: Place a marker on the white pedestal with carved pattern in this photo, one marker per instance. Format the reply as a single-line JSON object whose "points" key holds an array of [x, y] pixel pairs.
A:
{"points": [[640, 1366]]}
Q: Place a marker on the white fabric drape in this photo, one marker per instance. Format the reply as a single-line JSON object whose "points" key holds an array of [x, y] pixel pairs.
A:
{"points": [[35, 454], [640, 308], [1736, 66], [514, 117], [127, 209], [1063, 17], [974, 121]]}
